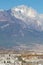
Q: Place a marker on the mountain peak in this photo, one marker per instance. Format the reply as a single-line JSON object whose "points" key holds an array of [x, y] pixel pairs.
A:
{"points": [[23, 11]]}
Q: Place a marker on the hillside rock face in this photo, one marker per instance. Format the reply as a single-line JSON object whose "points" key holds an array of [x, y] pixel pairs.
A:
{"points": [[21, 26]]}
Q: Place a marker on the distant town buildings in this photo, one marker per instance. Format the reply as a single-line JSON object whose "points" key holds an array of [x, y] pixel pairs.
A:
{"points": [[21, 59]]}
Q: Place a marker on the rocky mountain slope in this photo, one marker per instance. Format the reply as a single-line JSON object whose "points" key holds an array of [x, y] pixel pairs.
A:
{"points": [[21, 26]]}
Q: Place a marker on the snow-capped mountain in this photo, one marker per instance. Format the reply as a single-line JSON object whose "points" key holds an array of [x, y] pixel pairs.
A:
{"points": [[23, 11], [29, 16], [21, 25]]}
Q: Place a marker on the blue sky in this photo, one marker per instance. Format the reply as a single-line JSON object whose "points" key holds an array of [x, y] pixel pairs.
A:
{"points": [[36, 4]]}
